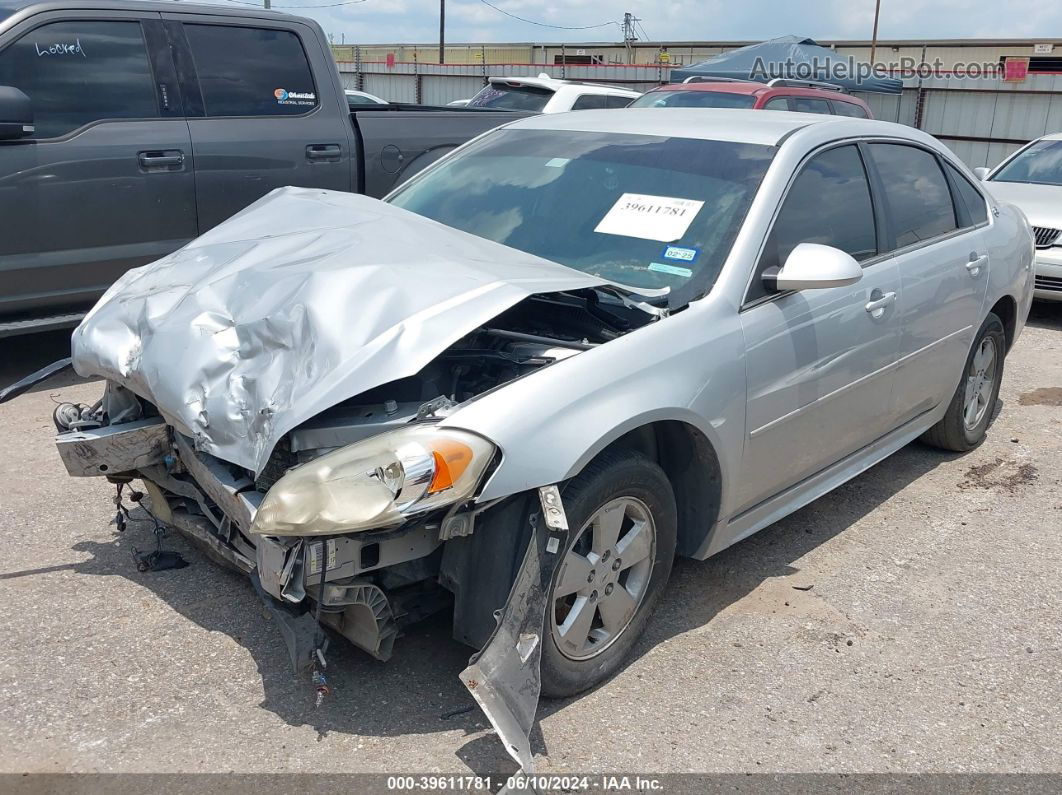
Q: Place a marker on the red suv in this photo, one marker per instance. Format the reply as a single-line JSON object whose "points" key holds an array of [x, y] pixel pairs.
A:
{"points": [[797, 95]]}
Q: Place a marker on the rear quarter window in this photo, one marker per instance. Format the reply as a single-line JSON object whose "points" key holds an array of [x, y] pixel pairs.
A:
{"points": [[974, 210]]}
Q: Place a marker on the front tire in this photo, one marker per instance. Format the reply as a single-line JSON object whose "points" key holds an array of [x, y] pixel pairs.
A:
{"points": [[969, 414], [624, 520]]}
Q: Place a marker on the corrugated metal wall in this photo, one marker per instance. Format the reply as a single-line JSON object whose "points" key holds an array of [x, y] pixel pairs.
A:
{"points": [[982, 120], [442, 89]]}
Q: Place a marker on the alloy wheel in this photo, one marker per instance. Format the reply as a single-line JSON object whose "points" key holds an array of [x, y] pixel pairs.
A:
{"points": [[604, 578], [980, 384]]}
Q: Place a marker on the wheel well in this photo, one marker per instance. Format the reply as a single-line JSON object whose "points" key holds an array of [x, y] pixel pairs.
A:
{"points": [[1006, 309], [690, 463]]}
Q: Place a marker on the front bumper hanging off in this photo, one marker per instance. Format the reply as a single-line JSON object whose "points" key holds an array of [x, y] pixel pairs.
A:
{"points": [[504, 678]]}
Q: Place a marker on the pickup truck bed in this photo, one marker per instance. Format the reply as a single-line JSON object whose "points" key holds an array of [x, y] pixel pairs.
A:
{"points": [[183, 115]]}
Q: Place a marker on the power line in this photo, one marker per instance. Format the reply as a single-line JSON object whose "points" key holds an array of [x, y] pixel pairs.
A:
{"points": [[546, 24]]}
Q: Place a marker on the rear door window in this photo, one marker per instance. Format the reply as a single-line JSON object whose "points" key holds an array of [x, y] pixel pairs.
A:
{"points": [[617, 101], [808, 105], [79, 72], [251, 71], [828, 203], [841, 108], [778, 103], [916, 193]]}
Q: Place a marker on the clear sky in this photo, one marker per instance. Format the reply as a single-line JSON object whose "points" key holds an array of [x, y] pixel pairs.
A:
{"points": [[413, 21]]}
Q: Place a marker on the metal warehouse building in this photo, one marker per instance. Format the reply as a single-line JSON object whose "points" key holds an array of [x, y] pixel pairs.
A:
{"points": [[982, 119]]}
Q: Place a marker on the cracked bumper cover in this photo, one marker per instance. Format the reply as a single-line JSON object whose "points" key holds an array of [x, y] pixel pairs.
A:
{"points": [[505, 677]]}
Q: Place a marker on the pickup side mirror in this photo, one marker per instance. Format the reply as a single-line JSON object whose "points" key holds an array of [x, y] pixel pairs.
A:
{"points": [[16, 114], [981, 172], [811, 266]]}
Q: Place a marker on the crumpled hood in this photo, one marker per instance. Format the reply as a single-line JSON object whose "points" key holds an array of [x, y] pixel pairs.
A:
{"points": [[304, 299], [1042, 204]]}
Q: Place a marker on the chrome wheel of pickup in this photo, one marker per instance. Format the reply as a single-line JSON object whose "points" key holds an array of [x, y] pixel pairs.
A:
{"points": [[604, 578]]}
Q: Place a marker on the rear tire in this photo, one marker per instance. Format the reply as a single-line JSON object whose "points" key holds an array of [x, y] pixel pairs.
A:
{"points": [[970, 412], [621, 505]]}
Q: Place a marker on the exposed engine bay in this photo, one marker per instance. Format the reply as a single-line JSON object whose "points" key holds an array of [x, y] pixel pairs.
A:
{"points": [[383, 579], [533, 334]]}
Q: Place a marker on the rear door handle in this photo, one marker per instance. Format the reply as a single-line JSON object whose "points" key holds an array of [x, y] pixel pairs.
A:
{"points": [[323, 152], [876, 308], [164, 159], [976, 263]]}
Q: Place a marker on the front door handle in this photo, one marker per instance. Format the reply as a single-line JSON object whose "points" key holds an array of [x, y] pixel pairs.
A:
{"points": [[876, 308], [976, 263], [331, 152], [164, 159]]}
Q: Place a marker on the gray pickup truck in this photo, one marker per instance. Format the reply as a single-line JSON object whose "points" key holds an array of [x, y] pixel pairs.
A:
{"points": [[129, 128]]}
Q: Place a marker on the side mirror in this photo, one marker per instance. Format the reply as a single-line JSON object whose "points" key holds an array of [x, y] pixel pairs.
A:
{"points": [[981, 172], [811, 266], [16, 114]]}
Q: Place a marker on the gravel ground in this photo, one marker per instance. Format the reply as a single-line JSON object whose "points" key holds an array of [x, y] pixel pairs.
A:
{"points": [[910, 621]]}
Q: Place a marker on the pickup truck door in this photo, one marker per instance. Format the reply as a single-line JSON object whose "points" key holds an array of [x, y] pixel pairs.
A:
{"points": [[264, 110], [105, 183]]}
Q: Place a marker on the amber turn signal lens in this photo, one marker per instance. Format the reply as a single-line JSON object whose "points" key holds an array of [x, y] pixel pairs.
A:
{"points": [[451, 460]]}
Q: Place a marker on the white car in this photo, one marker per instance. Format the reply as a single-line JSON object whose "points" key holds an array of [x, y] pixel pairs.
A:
{"points": [[1031, 179], [363, 98], [545, 94]]}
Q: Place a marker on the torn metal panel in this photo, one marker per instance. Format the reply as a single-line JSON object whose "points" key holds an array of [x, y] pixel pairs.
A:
{"points": [[235, 496], [304, 299], [14, 390], [197, 530], [113, 449], [505, 678]]}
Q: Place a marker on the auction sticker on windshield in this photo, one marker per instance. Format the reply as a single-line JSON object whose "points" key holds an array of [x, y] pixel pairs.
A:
{"points": [[660, 218]]}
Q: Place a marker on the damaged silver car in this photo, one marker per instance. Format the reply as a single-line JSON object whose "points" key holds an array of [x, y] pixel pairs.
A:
{"points": [[515, 389]]}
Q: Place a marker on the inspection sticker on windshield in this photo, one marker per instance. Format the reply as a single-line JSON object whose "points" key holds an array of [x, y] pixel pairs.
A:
{"points": [[660, 218], [681, 254]]}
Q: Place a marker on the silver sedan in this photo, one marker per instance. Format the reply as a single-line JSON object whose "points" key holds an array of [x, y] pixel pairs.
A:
{"points": [[575, 348]]}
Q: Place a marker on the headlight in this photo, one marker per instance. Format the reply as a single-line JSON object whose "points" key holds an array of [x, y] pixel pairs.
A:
{"points": [[375, 483]]}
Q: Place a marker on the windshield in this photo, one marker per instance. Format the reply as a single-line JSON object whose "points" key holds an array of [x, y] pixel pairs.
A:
{"points": [[693, 99], [642, 210], [502, 96], [1040, 164]]}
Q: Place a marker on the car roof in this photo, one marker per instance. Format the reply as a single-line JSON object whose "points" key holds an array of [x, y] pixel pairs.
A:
{"points": [[555, 83], [767, 127], [756, 89]]}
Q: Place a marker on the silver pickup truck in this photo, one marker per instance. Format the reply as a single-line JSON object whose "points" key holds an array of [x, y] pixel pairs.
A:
{"points": [[129, 128]]}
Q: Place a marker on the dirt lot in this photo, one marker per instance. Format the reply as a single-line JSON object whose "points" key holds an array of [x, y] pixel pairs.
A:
{"points": [[910, 621]]}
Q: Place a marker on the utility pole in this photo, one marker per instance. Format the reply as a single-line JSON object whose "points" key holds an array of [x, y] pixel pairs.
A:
{"points": [[629, 36], [442, 31], [874, 37]]}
